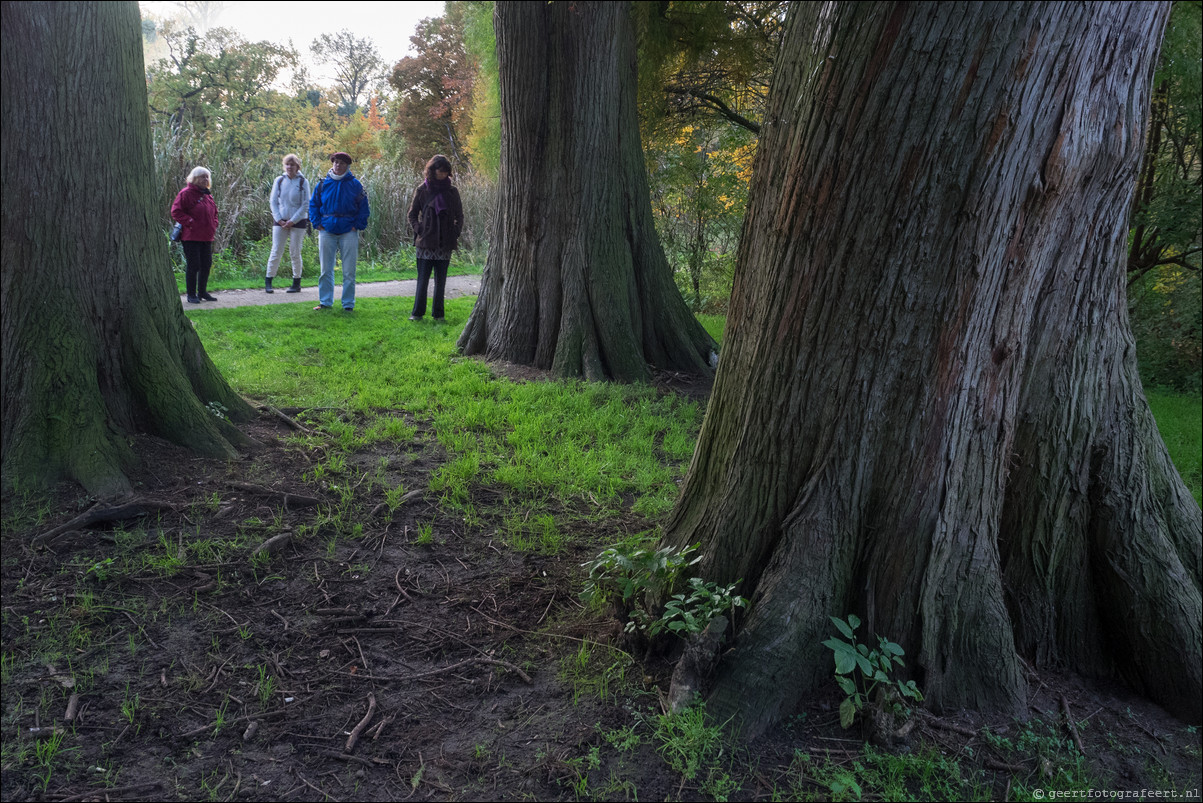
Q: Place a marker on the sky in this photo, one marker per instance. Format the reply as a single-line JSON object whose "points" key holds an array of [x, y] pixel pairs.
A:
{"points": [[388, 24]]}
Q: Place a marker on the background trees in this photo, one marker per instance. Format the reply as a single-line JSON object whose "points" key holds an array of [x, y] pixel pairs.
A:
{"points": [[434, 89], [96, 348], [357, 67], [927, 410], [1167, 221]]}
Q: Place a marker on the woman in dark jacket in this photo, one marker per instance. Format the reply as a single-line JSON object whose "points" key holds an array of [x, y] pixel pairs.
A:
{"points": [[196, 213], [436, 217]]}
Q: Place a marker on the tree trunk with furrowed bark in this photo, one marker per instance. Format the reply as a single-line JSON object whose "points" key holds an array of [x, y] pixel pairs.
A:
{"points": [[95, 345], [576, 281], [928, 410]]}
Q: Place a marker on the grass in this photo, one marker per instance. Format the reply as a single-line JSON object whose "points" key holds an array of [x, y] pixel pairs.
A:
{"points": [[597, 445], [1180, 421]]}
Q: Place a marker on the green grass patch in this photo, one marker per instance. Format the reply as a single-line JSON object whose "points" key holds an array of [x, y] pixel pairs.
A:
{"points": [[601, 444], [1180, 421]]}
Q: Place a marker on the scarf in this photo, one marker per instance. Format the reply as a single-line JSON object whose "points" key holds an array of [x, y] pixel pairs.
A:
{"points": [[439, 187], [330, 174]]}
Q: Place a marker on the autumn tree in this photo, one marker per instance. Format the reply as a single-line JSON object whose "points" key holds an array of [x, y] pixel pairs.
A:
{"points": [[434, 88], [96, 348], [928, 411], [575, 280], [357, 66]]}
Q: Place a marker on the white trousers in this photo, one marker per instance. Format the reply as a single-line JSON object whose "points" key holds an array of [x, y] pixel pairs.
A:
{"points": [[294, 237]]}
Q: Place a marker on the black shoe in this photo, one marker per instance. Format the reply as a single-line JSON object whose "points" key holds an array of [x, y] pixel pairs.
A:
{"points": [[415, 317], [267, 286], [296, 286], [320, 307], [206, 297], [348, 309], [193, 300], [440, 320]]}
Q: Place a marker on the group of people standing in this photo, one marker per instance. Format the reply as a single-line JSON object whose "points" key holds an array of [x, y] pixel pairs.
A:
{"points": [[337, 208]]}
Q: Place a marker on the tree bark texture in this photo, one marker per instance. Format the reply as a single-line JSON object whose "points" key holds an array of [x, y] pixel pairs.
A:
{"points": [[928, 410], [576, 281], [95, 344]]}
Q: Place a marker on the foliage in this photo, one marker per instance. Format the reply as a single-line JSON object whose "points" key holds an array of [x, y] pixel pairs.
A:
{"points": [[484, 135], [1166, 311], [1167, 220], [219, 86], [635, 572], [708, 61], [699, 175], [434, 89], [639, 576], [688, 614], [357, 66], [861, 671]]}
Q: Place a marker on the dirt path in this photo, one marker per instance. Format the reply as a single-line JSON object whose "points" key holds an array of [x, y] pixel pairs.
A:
{"points": [[456, 286]]}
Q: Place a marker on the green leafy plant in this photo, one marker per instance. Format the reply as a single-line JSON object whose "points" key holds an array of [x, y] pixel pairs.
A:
{"points": [[864, 674], [689, 613], [637, 576]]}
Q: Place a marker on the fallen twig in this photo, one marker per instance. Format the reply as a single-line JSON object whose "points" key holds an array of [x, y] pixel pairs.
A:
{"points": [[95, 515], [450, 668], [1073, 728], [291, 422], [274, 544], [72, 708], [287, 499], [363, 723], [948, 726], [239, 721], [114, 790]]}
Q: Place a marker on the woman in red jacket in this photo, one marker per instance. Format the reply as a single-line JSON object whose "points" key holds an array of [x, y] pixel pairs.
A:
{"points": [[196, 213]]}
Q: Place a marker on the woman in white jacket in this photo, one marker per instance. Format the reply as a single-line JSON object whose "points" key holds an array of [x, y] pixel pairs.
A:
{"points": [[290, 216]]}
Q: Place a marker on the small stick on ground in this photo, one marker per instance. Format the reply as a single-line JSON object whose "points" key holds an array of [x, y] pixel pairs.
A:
{"points": [[379, 728], [95, 515], [291, 422], [363, 723], [239, 721], [397, 583], [116, 790], [274, 544], [287, 499], [1073, 728], [72, 708], [346, 757]]}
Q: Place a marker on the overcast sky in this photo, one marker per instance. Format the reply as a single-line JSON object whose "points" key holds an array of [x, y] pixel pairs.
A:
{"points": [[388, 24]]}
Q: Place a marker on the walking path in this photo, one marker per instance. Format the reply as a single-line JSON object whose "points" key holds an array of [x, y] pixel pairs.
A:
{"points": [[456, 286]]}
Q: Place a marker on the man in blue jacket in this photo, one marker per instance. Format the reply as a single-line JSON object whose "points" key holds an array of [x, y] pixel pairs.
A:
{"points": [[339, 212]]}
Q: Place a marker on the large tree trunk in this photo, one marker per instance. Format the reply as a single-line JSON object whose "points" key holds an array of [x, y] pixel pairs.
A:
{"points": [[95, 345], [576, 281], [928, 410]]}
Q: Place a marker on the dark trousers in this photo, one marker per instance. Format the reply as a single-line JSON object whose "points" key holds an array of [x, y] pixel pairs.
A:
{"points": [[425, 268], [198, 260]]}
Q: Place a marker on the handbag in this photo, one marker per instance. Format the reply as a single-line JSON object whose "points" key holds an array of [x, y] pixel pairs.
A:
{"points": [[176, 232]]}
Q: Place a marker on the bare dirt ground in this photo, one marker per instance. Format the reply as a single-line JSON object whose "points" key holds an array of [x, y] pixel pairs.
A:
{"points": [[417, 658]]}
